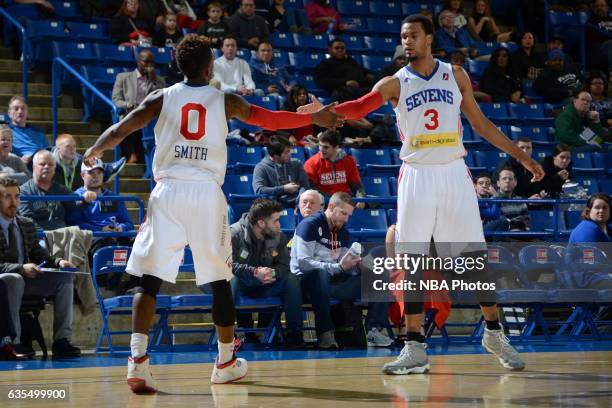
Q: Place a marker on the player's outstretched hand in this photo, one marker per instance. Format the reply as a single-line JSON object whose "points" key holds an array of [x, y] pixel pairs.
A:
{"points": [[327, 117], [535, 169], [90, 156], [311, 107]]}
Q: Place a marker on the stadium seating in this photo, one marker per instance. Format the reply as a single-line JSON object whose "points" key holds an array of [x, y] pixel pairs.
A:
{"points": [[310, 42], [243, 159], [376, 186], [383, 45], [386, 8]]}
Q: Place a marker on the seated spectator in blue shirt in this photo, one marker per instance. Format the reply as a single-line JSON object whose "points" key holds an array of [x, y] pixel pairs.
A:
{"points": [[99, 215], [490, 212], [595, 225], [269, 77], [27, 139], [449, 38]]}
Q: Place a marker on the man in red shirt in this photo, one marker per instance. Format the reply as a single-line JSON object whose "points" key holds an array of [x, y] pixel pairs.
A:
{"points": [[332, 170]]}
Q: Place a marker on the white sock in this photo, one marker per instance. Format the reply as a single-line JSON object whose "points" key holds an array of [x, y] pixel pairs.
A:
{"points": [[226, 351], [138, 344]]}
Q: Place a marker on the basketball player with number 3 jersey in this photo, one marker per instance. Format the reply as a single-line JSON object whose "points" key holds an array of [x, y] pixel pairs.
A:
{"points": [[187, 206], [436, 195]]}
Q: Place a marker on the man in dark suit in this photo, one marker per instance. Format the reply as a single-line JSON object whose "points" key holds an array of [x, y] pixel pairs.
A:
{"points": [[21, 260]]}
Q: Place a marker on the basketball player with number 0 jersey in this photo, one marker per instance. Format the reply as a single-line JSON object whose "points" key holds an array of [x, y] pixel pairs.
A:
{"points": [[187, 206], [436, 195]]}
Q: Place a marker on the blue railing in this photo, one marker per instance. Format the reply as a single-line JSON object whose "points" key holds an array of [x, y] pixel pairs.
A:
{"points": [[56, 83], [74, 197], [8, 21]]}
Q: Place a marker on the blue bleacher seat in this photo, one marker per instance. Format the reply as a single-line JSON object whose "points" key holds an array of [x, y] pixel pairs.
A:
{"points": [[563, 18], [539, 135], [527, 111], [65, 8], [89, 31], [542, 220], [313, 42], [382, 25], [241, 184], [115, 54], [371, 156], [287, 221], [352, 7], [486, 48], [409, 8], [376, 186], [489, 159], [370, 220], [75, 53], [393, 185], [269, 102], [353, 42], [101, 76], [243, 156], [573, 218], [385, 8], [606, 185], [375, 62], [298, 153], [391, 216], [540, 153], [281, 40], [281, 58], [47, 29], [502, 264], [357, 24], [384, 45], [495, 110], [540, 267], [586, 263], [244, 54], [603, 160], [305, 59], [311, 151], [589, 183], [234, 124], [476, 68], [582, 163]]}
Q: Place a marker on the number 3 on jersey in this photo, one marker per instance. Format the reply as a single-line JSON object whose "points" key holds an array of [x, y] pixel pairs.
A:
{"points": [[432, 114], [197, 112]]}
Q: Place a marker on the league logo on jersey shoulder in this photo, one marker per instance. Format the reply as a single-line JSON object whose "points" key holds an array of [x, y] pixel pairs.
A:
{"points": [[445, 76]]}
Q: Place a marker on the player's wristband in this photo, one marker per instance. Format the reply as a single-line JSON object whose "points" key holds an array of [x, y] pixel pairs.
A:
{"points": [[358, 108], [274, 120]]}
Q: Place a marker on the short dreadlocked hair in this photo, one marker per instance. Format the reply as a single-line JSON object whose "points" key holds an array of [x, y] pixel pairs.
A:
{"points": [[193, 55]]}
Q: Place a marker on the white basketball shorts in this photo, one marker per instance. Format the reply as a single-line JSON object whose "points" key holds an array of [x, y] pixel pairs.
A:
{"points": [[184, 213], [439, 201]]}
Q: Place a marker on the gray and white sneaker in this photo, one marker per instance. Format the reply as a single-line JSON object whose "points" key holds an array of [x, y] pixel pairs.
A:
{"points": [[496, 342], [328, 341], [376, 338], [412, 359]]}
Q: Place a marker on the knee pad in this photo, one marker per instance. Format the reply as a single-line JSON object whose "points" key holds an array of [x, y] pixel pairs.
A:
{"points": [[150, 285], [223, 310]]}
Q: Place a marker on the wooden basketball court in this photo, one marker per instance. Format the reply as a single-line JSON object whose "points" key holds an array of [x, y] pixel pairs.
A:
{"points": [[326, 379]]}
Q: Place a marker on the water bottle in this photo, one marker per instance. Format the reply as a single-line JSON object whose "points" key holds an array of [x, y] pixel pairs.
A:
{"points": [[355, 249]]}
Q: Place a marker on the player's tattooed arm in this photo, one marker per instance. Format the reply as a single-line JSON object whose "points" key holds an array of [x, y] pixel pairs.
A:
{"points": [[485, 128], [133, 121]]}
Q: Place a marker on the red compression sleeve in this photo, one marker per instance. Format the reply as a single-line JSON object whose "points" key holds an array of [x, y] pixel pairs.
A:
{"points": [[358, 108], [274, 120]]}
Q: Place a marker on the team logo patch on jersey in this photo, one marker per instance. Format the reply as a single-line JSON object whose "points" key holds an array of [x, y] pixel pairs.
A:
{"points": [[445, 76], [435, 140]]}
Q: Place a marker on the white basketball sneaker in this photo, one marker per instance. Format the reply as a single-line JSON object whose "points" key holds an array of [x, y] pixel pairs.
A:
{"points": [[139, 376], [233, 370]]}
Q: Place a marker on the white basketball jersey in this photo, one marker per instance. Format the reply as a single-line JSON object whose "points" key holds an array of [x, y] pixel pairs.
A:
{"points": [[428, 116], [190, 134]]}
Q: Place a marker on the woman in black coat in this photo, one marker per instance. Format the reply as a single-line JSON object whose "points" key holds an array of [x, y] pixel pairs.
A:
{"points": [[557, 169], [498, 78]]}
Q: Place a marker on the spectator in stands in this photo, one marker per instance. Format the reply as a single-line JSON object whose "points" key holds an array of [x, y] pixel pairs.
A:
{"points": [[186, 17], [498, 79], [332, 170], [21, 258], [524, 187], [10, 164], [67, 162], [341, 70], [516, 213], [449, 38], [455, 6], [27, 139], [482, 25], [324, 18], [215, 29], [595, 225], [556, 42], [527, 63], [169, 35], [579, 127], [260, 264], [304, 136], [47, 215], [278, 174], [130, 19], [310, 202], [286, 20], [558, 169], [320, 257], [490, 212], [129, 91], [399, 61], [555, 84], [602, 103], [599, 35], [248, 28], [269, 77], [458, 58], [232, 72]]}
